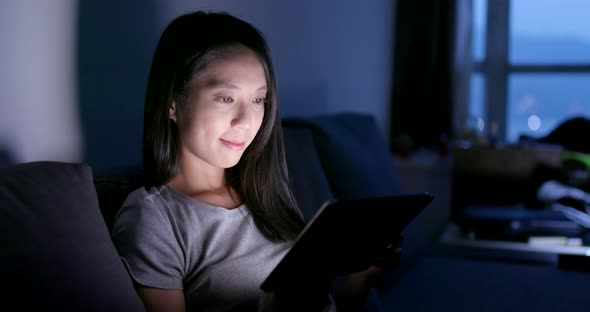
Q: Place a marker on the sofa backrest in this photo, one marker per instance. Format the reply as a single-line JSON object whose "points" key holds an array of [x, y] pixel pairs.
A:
{"points": [[353, 154], [310, 184], [358, 164]]}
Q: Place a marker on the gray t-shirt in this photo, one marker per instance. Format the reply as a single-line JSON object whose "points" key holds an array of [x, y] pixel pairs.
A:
{"points": [[215, 255]]}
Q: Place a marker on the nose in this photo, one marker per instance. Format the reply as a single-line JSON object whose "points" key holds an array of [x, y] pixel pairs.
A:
{"points": [[242, 117]]}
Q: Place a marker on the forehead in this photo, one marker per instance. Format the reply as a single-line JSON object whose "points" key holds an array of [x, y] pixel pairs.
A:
{"points": [[233, 64]]}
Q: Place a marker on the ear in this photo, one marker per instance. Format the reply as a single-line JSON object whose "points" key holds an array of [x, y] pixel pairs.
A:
{"points": [[172, 111]]}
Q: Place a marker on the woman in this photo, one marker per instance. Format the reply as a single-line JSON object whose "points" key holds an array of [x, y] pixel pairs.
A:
{"points": [[217, 213]]}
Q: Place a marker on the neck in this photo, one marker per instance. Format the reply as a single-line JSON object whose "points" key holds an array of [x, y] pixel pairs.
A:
{"points": [[204, 182]]}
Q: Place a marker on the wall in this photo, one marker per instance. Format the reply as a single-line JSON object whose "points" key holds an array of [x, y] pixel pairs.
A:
{"points": [[38, 106], [330, 56], [116, 41]]}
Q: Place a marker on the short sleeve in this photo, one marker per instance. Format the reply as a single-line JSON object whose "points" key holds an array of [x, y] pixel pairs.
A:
{"points": [[146, 241]]}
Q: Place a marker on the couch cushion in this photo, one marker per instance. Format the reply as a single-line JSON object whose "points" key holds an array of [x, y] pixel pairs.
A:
{"points": [[310, 185], [56, 251], [353, 154]]}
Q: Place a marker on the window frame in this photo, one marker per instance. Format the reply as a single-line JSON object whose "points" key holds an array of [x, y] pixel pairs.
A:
{"points": [[496, 69]]}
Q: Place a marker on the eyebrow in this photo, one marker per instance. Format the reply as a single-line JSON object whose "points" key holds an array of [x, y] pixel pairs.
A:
{"points": [[216, 83]]}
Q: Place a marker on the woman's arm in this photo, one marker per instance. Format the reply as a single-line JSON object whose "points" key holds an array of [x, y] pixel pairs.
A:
{"points": [[155, 299]]}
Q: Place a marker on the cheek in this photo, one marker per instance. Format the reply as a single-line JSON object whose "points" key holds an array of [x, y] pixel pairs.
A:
{"points": [[259, 117], [199, 123], [209, 124]]}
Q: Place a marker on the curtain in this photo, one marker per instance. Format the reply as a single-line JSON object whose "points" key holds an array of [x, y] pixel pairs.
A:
{"points": [[422, 77]]}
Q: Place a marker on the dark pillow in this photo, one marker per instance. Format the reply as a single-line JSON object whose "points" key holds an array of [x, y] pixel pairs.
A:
{"points": [[57, 254], [353, 153], [310, 185]]}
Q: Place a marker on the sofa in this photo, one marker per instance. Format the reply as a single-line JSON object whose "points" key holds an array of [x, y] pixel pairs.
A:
{"points": [[55, 220]]}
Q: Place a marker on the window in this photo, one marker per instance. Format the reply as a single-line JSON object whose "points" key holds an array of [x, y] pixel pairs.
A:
{"points": [[477, 109], [531, 64]]}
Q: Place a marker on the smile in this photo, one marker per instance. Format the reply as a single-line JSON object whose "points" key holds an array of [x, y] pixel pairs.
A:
{"points": [[237, 145]]}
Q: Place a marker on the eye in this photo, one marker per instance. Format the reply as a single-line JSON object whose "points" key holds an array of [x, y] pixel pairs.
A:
{"points": [[259, 100], [225, 99]]}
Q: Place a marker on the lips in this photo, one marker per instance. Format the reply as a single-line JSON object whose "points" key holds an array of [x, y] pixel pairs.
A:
{"points": [[236, 145]]}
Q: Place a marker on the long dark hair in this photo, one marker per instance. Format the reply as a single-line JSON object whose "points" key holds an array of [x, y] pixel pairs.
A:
{"points": [[260, 178]]}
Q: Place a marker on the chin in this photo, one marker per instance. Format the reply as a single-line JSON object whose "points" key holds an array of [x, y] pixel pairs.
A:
{"points": [[229, 163], [227, 160]]}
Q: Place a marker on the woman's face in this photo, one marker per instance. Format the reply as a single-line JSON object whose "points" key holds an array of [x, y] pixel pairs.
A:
{"points": [[224, 110]]}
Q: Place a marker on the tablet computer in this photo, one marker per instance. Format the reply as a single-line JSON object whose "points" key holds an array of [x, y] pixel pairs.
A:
{"points": [[345, 233]]}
